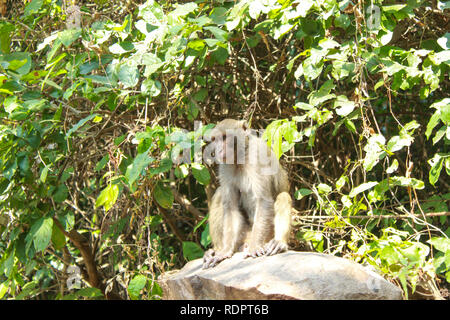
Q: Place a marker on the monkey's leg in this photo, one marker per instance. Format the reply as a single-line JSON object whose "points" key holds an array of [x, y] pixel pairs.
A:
{"points": [[282, 225]]}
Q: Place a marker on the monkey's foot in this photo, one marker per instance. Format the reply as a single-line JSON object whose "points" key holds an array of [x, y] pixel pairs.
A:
{"points": [[275, 246], [212, 258]]}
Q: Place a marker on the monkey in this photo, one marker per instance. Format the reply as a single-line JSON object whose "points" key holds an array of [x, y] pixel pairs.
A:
{"points": [[251, 209]]}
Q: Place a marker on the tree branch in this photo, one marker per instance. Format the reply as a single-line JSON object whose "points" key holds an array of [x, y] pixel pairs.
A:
{"points": [[82, 244]]}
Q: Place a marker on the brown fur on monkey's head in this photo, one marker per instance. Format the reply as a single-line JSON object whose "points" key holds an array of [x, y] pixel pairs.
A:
{"points": [[231, 124]]}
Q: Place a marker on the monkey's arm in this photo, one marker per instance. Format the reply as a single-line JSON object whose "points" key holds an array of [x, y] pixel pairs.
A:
{"points": [[226, 227], [282, 225], [233, 221], [262, 229]]}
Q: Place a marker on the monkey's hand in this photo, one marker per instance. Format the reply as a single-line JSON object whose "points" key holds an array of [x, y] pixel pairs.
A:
{"points": [[254, 252], [211, 258], [275, 246]]}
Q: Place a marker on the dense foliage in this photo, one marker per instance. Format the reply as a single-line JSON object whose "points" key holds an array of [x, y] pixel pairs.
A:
{"points": [[99, 97]]}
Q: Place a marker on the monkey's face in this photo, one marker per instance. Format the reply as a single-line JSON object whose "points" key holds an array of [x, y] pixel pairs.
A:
{"points": [[226, 145], [229, 139]]}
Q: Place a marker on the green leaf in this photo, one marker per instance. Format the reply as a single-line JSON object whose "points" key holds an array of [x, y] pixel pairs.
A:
{"points": [[89, 292], [164, 166], [151, 87], [136, 285], [281, 30], [299, 194], [440, 243], [218, 15], [393, 167], [255, 8], [139, 164], [220, 55], [218, 33], [201, 173], [316, 239], [3, 289], [102, 163], [184, 9], [182, 171], [6, 30], [374, 151], [342, 69], [350, 125], [205, 239], [396, 143], [444, 41], [192, 250], [323, 94], [362, 187], [343, 106], [436, 166], [108, 197], [68, 36], [80, 124], [406, 182], [151, 12], [393, 8], [324, 188], [128, 75], [379, 84], [346, 201], [442, 113], [121, 48], [309, 70], [416, 252], [163, 195], [342, 21], [201, 95], [41, 233], [58, 238], [341, 182], [10, 169], [32, 7], [440, 133], [61, 193], [10, 104], [151, 62], [434, 120], [19, 62], [196, 44]]}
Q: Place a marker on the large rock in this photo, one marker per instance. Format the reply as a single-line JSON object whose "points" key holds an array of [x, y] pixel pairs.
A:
{"points": [[290, 275]]}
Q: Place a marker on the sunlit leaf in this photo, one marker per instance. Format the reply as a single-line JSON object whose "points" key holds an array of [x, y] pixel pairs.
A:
{"points": [[192, 251], [41, 233], [108, 197], [163, 195], [136, 285], [361, 188]]}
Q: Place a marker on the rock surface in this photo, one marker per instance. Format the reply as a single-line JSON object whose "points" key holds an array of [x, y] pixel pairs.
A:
{"points": [[290, 275]]}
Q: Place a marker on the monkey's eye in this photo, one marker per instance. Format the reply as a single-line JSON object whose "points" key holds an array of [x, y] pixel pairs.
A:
{"points": [[213, 138]]}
